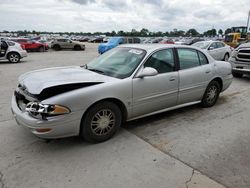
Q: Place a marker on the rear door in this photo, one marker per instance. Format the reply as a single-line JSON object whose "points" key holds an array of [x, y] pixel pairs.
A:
{"points": [[194, 74], [156, 92]]}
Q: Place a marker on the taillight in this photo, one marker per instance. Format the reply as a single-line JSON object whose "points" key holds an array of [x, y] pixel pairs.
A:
{"points": [[23, 47]]}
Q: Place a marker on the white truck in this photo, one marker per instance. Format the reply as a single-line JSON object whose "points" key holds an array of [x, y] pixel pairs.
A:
{"points": [[240, 60]]}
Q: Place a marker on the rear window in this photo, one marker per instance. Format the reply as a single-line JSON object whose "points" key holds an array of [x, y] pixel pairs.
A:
{"points": [[11, 43]]}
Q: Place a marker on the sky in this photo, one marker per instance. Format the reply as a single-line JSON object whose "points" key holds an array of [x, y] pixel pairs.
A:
{"points": [[109, 15]]}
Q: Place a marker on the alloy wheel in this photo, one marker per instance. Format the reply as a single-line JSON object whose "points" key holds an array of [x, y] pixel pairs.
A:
{"points": [[103, 122]]}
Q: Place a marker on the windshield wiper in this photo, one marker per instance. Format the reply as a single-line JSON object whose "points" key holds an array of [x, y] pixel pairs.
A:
{"points": [[96, 70]]}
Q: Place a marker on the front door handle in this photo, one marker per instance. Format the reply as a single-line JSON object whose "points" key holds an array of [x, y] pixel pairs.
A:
{"points": [[172, 78], [208, 71]]}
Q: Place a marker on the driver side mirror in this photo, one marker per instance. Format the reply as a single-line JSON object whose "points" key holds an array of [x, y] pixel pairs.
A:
{"points": [[211, 48], [147, 71]]}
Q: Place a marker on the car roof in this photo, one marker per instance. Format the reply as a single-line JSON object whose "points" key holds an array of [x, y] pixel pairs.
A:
{"points": [[153, 47]]}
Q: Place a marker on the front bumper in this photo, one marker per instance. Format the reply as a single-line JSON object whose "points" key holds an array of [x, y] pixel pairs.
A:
{"points": [[240, 67], [61, 126]]}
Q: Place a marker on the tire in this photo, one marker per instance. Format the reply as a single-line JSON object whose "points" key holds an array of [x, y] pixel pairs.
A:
{"points": [[237, 75], [211, 94], [41, 49], [14, 57], [56, 47], [77, 47], [226, 57], [101, 122]]}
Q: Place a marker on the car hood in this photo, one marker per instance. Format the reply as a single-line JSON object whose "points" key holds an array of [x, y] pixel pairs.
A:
{"points": [[36, 81]]}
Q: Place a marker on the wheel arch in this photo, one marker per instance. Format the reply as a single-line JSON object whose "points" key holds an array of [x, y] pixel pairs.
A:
{"points": [[116, 101], [77, 45], [7, 55], [219, 80]]}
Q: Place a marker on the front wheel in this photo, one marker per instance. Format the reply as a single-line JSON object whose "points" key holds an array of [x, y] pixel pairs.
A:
{"points": [[14, 57], [101, 122], [211, 94]]}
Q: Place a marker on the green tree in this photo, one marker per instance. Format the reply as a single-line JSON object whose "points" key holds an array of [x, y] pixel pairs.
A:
{"points": [[192, 32], [228, 30], [144, 32], [220, 31]]}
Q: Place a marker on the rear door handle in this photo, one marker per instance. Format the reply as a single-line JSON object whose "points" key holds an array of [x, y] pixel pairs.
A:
{"points": [[172, 78], [208, 71]]}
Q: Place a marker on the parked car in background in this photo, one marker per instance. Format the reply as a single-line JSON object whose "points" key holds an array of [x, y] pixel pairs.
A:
{"points": [[12, 51], [217, 49], [46, 42], [193, 40], [96, 40], [125, 83], [59, 44], [83, 39], [115, 41], [31, 45], [167, 41], [240, 60]]}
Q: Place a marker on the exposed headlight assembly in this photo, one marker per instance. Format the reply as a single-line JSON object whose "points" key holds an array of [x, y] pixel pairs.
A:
{"points": [[42, 111]]}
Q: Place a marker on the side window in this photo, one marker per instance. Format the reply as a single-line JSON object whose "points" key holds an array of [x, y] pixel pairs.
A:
{"points": [[213, 45], [188, 58], [220, 44], [162, 61], [11, 43], [203, 58]]}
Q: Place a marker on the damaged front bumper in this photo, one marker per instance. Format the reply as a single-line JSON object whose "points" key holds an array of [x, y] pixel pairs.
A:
{"points": [[54, 127]]}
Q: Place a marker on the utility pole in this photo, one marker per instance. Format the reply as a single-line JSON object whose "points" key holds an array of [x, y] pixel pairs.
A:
{"points": [[248, 21]]}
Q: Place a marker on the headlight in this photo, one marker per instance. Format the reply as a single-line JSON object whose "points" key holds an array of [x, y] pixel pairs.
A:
{"points": [[39, 110]]}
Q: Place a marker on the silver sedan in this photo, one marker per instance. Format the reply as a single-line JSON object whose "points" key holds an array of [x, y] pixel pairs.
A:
{"points": [[218, 50], [126, 83]]}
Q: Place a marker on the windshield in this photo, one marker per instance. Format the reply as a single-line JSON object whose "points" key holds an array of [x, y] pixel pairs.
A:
{"points": [[202, 45], [118, 62], [229, 38]]}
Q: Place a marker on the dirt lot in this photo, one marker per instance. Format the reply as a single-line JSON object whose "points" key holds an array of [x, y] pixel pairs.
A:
{"points": [[214, 141]]}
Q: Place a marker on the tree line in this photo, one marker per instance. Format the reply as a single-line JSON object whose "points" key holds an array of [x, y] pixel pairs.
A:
{"points": [[139, 33]]}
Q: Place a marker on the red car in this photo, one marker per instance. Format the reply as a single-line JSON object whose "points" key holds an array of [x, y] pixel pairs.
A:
{"points": [[31, 45], [167, 41]]}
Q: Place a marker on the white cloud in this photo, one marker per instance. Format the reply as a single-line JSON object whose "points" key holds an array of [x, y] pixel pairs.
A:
{"points": [[108, 15]]}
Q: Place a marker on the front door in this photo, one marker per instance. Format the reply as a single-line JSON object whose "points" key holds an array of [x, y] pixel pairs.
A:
{"points": [[158, 92]]}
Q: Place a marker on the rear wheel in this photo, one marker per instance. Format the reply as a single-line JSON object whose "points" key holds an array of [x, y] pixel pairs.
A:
{"points": [[101, 122], [13, 57], [41, 49], [56, 47], [211, 94], [237, 75]]}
